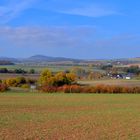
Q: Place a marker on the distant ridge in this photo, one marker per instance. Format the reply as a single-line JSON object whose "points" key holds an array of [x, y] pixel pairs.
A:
{"points": [[50, 58], [9, 59]]}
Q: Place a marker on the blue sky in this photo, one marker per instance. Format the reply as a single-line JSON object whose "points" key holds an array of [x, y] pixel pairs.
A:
{"points": [[90, 29]]}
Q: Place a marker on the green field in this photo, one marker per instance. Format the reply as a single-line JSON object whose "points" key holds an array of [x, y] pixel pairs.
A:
{"points": [[38, 68], [30, 116]]}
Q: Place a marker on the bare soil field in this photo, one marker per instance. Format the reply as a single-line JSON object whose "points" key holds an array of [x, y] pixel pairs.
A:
{"points": [[26, 116]]}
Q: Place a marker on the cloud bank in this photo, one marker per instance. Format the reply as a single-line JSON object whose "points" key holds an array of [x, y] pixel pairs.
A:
{"points": [[46, 36]]}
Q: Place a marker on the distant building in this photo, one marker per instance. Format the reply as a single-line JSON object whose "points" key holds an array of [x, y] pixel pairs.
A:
{"points": [[128, 78], [33, 87], [115, 76]]}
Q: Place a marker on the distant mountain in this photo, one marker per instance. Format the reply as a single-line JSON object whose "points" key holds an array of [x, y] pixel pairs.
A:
{"points": [[38, 58], [42, 58], [9, 59]]}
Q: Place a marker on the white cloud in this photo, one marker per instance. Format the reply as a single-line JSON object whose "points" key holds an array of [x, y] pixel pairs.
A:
{"points": [[13, 9], [93, 10], [80, 8]]}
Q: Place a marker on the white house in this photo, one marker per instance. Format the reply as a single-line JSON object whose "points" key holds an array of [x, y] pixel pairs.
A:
{"points": [[128, 78]]}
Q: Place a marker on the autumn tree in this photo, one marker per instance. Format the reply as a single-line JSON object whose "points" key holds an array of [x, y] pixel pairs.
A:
{"points": [[46, 77], [64, 79], [59, 79]]}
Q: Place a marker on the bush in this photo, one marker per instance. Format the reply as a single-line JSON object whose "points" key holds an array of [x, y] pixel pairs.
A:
{"points": [[25, 86], [31, 81], [11, 82], [20, 82], [3, 87], [49, 89]]}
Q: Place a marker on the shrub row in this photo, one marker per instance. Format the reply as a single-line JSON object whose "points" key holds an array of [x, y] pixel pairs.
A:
{"points": [[89, 89], [19, 82]]}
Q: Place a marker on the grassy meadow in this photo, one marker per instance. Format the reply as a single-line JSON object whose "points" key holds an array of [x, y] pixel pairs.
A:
{"points": [[38, 68], [35, 67], [37, 116]]}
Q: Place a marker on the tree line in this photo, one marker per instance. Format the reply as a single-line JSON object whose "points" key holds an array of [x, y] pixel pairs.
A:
{"points": [[17, 71]]}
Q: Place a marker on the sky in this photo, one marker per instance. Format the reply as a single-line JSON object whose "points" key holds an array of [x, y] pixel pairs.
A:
{"points": [[87, 29]]}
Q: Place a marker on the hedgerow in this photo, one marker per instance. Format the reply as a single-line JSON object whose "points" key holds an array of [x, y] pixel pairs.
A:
{"points": [[90, 89]]}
